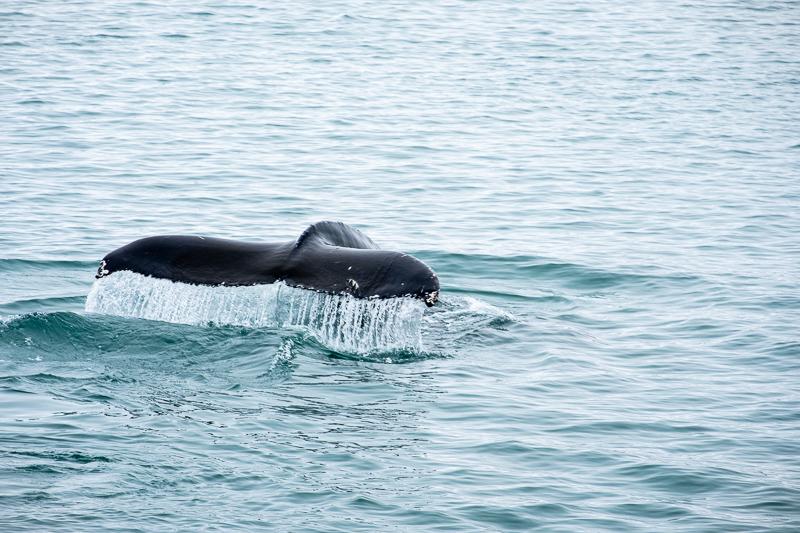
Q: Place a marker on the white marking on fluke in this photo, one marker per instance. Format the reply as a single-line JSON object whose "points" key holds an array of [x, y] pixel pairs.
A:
{"points": [[432, 297], [340, 322]]}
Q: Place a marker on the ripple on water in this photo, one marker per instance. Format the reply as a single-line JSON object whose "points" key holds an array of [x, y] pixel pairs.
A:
{"points": [[606, 190]]}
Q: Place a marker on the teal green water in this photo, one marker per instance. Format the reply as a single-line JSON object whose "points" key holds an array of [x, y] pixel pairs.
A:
{"points": [[607, 190]]}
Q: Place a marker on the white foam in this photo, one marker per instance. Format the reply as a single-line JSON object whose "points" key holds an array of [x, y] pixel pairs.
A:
{"points": [[340, 322]]}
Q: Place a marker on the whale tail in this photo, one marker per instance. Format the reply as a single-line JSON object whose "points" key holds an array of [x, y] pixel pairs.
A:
{"points": [[336, 258], [329, 257]]}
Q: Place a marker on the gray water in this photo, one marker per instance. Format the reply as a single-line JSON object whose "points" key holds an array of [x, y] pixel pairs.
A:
{"points": [[608, 192]]}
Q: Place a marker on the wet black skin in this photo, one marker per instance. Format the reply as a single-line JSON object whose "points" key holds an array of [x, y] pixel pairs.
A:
{"points": [[329, 256]]}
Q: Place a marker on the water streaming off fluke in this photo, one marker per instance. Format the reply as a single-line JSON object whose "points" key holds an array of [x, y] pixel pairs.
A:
{"points": [[340, 322]]}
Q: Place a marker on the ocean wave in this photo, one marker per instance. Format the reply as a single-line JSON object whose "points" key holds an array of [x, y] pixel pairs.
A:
{"points": [[19, 264], [561, 273]]}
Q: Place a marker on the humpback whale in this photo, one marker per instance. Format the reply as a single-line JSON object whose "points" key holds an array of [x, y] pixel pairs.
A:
{"points": [[329, 257]]}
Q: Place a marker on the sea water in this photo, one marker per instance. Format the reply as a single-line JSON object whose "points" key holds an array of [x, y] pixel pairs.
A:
{"points": [[607, 190]]}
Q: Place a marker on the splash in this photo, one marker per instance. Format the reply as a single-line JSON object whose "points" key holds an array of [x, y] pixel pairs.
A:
{"points": [[340, 322], [343, 322]]}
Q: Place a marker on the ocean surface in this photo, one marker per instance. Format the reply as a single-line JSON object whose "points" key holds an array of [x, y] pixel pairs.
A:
{"points": [[609, 192]]}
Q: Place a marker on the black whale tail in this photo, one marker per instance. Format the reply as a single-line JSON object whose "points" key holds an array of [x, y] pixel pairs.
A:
{"points": [[330, 257], [337, 258]]}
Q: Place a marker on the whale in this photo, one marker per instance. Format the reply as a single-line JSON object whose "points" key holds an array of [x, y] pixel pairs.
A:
{"points": [[329, 257]]}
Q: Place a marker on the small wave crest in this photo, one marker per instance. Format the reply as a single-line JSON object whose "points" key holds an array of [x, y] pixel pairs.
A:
{"points": [[339, 322], [458, 319]]}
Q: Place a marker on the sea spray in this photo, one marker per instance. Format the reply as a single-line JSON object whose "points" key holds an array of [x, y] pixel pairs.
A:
{"points": [[345, 323], [340, 322]]}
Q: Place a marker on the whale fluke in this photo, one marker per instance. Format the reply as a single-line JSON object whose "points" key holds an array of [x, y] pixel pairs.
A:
{"points": [[330, 257]]}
